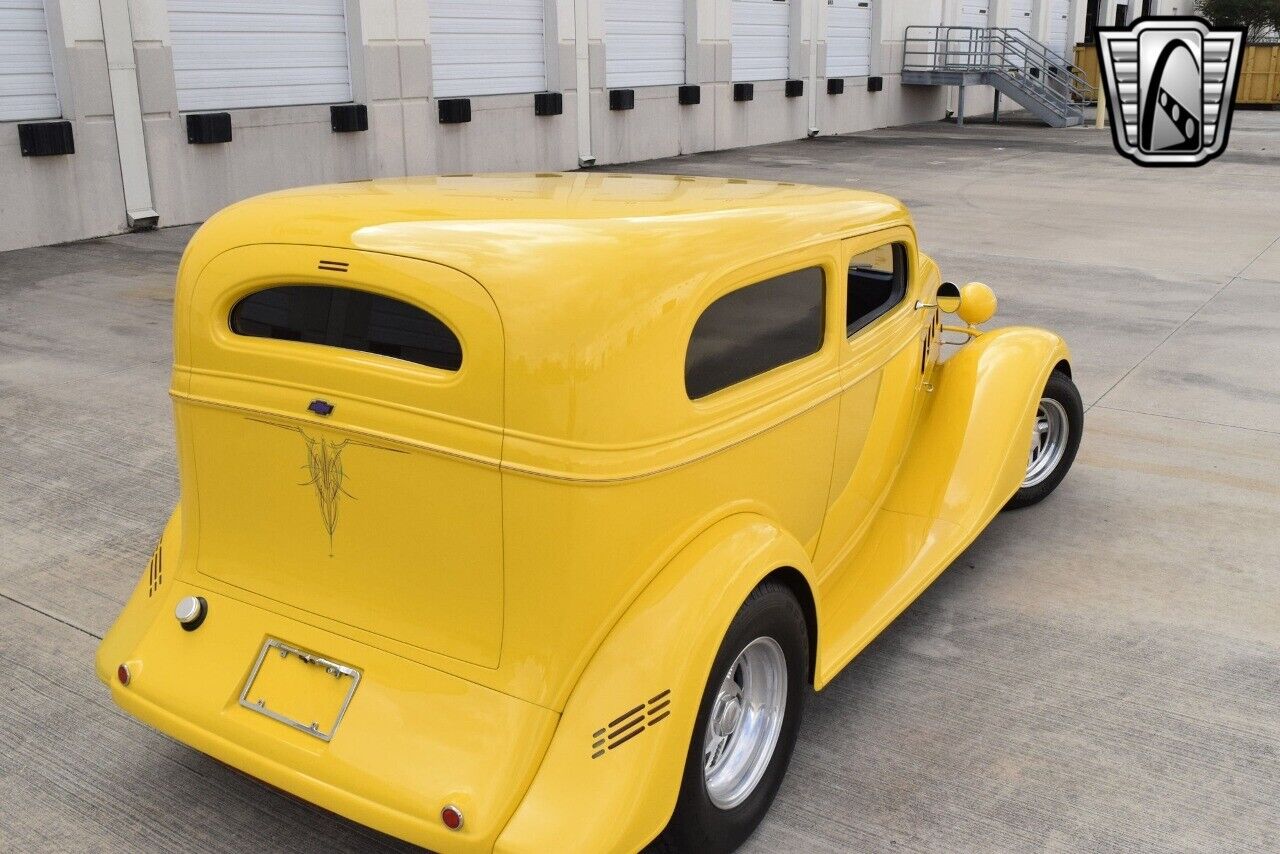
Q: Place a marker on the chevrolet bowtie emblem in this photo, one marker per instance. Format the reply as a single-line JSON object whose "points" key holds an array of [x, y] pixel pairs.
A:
{"points": [[1170, 85]]}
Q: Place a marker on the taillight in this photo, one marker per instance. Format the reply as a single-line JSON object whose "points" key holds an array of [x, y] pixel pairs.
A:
{"points": [[452, 817]]}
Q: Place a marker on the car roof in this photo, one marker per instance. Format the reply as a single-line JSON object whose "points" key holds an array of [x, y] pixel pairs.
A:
{"points": [[570, 195], [597, 278], [474, 222]]}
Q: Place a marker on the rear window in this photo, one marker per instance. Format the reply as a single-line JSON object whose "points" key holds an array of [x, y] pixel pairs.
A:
{"points": [[755, 329], [351, 319]]}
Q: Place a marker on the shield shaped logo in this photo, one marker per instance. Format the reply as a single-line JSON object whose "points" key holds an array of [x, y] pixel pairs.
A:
{"points": [[1170, 85]]}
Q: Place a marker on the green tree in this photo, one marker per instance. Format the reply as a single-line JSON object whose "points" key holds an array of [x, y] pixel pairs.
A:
{"points": [[1260, 18]]}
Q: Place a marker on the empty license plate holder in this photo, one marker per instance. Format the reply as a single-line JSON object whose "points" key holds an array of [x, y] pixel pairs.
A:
{"points": [[311, 692]]}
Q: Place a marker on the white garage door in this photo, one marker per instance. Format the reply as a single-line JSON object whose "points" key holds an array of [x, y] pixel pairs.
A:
{"points": [[848, 38], [643, 42], [487, 47], [1020, 15], [258, 53], [26, 69], [1059, 25], [761, 39], [973, 13]]}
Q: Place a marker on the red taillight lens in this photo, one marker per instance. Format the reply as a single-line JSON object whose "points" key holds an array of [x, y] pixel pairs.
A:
{"points": [[122, 673], [452, 817]]}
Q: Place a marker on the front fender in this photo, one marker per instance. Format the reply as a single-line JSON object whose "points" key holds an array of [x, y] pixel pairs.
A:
{"points": [[606, 784], [969, 452]]}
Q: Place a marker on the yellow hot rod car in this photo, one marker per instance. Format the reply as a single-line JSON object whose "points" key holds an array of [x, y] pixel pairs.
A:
{"points": [[519, 512]]}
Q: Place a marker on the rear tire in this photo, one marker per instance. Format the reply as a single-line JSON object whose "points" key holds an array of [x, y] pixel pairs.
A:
{"points": [[730, 778], [1055, 439]]}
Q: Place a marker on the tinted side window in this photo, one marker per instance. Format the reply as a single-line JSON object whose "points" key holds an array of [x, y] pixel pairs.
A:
{"points": [[755, 329], [877, 282], [355, 320]]}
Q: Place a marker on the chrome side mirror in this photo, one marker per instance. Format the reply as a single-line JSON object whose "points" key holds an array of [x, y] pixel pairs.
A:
{"points": [[948, 299], [975, 303]]}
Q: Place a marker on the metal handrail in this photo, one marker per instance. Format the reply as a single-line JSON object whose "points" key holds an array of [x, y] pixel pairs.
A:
{"points": [[1051, 61], [1031, 65], [1034, 68], [945, 49]]}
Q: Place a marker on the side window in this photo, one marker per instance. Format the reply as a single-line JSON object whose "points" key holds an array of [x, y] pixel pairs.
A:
{"points": [[877, 282], [755, 329], [355, 320]]}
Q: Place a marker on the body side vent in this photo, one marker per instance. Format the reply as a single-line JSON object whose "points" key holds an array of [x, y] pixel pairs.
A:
{"points": [[155, 572], [630, 724]]}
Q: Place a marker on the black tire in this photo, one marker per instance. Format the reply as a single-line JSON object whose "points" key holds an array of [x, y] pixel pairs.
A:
{"points": [[698, 825], [1059, 388]]}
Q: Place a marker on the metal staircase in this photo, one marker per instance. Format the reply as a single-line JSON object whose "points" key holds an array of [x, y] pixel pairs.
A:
{"points": [[1016, 65]]}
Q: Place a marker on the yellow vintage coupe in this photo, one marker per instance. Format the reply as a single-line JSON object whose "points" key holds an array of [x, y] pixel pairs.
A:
{"points": [[519, 512]]}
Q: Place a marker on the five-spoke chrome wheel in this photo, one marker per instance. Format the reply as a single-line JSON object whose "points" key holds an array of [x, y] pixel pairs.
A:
{"points": [[1049, 438], [746, 718]]}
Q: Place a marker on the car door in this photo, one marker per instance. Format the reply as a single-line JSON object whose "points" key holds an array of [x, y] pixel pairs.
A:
{"points": [[881, 377]]}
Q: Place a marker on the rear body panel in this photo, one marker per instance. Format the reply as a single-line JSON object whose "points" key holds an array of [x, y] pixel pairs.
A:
{"points": [[412, 740], [384, 517]]}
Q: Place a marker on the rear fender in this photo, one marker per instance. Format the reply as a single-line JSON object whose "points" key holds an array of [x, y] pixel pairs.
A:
{"points": [[608, 784], [969, 452], [144, 602]]}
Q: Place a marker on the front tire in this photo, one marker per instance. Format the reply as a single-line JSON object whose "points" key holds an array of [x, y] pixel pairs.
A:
{"points": [[746, 727], [1055, 438]]}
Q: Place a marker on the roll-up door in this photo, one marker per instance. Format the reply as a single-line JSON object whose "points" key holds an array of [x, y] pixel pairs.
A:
{"points": [[1020, 15], [643, 42], [27, 88], [761, 39], [487, 47], [1059, 20], [1019, 19], [973, 13], [259, 53], [848, 38]]}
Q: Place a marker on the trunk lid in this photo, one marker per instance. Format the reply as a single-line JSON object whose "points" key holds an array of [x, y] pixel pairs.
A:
{"points": [[345, 481]]}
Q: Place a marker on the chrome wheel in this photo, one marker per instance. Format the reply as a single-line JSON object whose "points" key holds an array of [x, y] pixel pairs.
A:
{"points": [[1048, 441], [746, 719]]}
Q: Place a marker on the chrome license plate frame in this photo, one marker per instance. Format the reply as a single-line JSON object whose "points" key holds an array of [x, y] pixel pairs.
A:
{"points": [[334, 668]]}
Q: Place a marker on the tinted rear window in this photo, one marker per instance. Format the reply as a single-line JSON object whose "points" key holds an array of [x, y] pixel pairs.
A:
{"points": [[755, 329], [354, 320]]}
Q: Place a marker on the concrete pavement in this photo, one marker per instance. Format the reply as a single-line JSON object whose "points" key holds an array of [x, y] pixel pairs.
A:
{"points": [[1099, 672]]}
